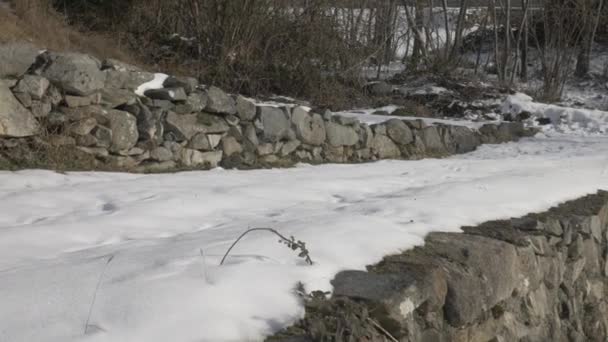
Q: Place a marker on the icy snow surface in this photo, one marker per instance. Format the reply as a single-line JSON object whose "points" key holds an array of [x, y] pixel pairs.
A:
{"points": [[156, 83], [165, 235]]}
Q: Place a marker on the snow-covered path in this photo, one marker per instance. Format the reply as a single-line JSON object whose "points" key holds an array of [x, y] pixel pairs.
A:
{"points": [[59, 231]]}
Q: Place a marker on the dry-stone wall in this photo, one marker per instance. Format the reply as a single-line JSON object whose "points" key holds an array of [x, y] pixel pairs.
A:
{"points": [[542, 277], [93, 105]]}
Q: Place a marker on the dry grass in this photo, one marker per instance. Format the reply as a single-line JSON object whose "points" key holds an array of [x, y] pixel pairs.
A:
{"points": [[36, 22]]}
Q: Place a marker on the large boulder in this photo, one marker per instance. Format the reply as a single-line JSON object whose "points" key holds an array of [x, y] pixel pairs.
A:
{"points": [[15, 120], [16, 59], [275, 123], [432, 141], [245, 108], [384, 147], [123, 79], [184, 127], [339, 135], [399, 132], [124, 130], [219, 102], [75, 73], [310, 128]]}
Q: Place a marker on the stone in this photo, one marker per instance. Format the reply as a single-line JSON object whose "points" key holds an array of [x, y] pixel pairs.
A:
{"points": [[384, 147], [219, 102], [173, 147], [24, 98], [75, 73], [379, 88], [61, 140], [200, 142], [16, 59], [130, 80], [189, 84], [150, 124], [309, 128], [245, 108], [251, 134], [464, 139], [275, 123], [345, 120], [87, 140], [399, 132], [214, 139], [34, 85], [189, 158], [265, 149], [114, 64], [95, 151], [154, 167], [232, 120], [184, 127], [83, 127], [40, 109], [103, 135], [197, 101], [289, 147], [113, 98], [53, 95], [339, 135], [231, 146], [161, 154], [124, 130], [15, 120], [79, 101], [432, 141], [167, 94]]}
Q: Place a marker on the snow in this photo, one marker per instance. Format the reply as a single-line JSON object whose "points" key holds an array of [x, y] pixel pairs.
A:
{"points": [[156, 83], [563, 119], [165, 235], [367, 116]]}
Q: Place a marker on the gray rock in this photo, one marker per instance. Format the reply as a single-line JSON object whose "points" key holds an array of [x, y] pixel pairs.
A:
{"points": [[81, 101], [114, 64], [16, 59], [24, 98], [245, 108], [15, 120], [150, 124], [159, 167], [251, 135], [130, 80], [464, 139], [232, 120], [124, 130], [200, 142], [189, 84], [113, 98], [399, 132], [219, 102], [289, 147], [83, 127], [75, 73], [86, 140], [104, 136], [197, 101], [265, 149], [161, 154], [167, 94], [379, 88], [95, 151], [34, 85], [186, 126], [214, 139], [339, 135], [275, 123], [189, 157], [61, 140], [40, 109], [345, 120], [231, 146], [384, 147], [310, 128], [432, 141]]}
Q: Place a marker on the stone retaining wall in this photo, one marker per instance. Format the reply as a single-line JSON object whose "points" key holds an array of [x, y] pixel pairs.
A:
{"points": [[99, 108], [542, 277]]}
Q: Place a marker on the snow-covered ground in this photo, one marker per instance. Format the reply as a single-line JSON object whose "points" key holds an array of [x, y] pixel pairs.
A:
{"points": [[140, 253]]}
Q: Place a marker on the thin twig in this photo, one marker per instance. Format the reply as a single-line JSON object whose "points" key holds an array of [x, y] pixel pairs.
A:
{"points": [[290, 242], [379, 327], [103, 272]]}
